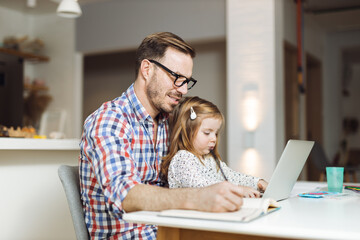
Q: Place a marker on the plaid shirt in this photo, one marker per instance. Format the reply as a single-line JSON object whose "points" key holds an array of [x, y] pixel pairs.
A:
{"points": [[117, 152]]}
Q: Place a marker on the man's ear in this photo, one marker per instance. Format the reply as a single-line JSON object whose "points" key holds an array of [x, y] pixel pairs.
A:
{"points": [[145, 69]]}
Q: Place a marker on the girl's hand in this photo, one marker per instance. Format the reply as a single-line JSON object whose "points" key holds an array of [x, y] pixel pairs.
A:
{"points": [[249, 192], [262, 185]]}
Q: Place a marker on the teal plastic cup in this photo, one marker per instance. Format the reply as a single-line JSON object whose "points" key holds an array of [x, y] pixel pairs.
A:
{"points": [[335, 179]]}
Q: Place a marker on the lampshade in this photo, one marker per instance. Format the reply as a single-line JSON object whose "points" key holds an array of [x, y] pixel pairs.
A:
{"points": [[31, 3], [69, 9]]}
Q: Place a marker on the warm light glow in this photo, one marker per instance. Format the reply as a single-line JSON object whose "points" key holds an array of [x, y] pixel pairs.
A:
{"points": [[250, 162], [251, 111]]}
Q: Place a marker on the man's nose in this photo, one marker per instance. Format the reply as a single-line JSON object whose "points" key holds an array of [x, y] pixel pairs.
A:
{"points": [[183, 89]]}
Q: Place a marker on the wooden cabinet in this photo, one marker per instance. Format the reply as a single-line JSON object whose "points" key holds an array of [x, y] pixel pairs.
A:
{"points": [[12, 85], [11, 90]]}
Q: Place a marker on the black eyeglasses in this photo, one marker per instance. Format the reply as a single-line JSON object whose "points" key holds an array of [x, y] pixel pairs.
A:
{"points": [[180, 80]]}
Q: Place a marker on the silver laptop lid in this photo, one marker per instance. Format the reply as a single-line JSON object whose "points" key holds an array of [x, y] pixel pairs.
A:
{"points": [[288, 169]]}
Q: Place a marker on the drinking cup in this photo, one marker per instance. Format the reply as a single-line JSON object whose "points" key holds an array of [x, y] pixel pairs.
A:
{"points": [[335, 178]]}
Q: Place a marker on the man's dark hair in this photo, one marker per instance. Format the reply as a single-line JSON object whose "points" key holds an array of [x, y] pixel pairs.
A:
{"points": [[155, 45]]}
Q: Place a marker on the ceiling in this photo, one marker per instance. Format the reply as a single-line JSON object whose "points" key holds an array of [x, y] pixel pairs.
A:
{"points": [[333, 15], [330, 6]]}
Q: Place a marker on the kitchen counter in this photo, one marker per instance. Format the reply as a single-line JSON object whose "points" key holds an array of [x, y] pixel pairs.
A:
{"points": [[38, 144], [32, 194]]}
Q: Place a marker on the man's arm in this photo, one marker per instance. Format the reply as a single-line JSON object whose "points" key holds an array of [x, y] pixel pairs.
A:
{"points": [[220, 197]]}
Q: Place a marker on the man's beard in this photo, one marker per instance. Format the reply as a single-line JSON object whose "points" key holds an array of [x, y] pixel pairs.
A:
{"points": [[157, 96]]}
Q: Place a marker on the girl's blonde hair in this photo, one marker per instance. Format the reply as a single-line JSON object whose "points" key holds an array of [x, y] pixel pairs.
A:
{"points": [[184, 129]]}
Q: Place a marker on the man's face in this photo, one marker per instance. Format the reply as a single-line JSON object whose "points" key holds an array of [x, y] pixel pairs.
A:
{"points": [[161, 91]]}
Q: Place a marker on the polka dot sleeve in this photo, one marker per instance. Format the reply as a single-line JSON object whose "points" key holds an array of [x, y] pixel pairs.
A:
{"points": [[239, 178], [186, 170]]}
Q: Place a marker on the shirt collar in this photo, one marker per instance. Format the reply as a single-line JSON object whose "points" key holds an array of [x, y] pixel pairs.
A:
{"points": [[140, 110]]}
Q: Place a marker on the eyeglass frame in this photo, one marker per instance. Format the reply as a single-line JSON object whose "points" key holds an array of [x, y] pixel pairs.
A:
{"points": [[177, 76]]}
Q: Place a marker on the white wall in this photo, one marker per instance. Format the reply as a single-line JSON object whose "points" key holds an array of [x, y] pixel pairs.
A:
{"points": [[13, 23], [252, 37], [115, 25], [58, 35]]}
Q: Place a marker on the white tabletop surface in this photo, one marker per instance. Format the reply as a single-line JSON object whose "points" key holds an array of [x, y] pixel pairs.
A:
{"points": [[302, 218], [38, 144]]}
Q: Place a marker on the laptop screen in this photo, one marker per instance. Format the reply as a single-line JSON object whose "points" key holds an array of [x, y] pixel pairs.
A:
{"points": [[288, 169]]}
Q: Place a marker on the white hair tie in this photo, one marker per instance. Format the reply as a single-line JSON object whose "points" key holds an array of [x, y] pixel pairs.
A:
{"points": [[192, 114]]}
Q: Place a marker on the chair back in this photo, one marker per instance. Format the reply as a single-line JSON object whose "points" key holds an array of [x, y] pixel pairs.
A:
{"points": [[69, 176]]}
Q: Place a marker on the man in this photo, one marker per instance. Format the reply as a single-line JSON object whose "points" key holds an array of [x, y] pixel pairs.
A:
{"points": [[125, 139]]}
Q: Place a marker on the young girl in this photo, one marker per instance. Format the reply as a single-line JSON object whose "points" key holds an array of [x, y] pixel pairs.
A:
{"points": [[193, 159]]}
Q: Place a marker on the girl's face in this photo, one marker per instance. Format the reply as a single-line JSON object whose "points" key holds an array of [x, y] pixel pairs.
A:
{"points": [[205, 138]]}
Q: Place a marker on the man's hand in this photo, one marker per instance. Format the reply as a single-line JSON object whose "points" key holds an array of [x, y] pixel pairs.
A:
{"points": [[220, 197], [262, 185]]}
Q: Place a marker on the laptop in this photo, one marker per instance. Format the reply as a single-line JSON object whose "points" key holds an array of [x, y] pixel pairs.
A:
{"points": [[288, 169]]}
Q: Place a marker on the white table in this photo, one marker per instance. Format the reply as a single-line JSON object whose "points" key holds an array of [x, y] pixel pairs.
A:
{"points": [[298, 218]]}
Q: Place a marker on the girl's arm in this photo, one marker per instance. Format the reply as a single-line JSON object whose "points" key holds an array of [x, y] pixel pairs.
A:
{"points": [[186, 171], [240, 178]]}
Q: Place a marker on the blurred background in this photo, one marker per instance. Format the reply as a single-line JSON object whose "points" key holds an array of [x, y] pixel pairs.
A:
{"points": [[248, 64]]}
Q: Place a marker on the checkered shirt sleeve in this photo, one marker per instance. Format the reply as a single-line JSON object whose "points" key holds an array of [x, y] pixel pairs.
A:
{"points": [[117, 153]]}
